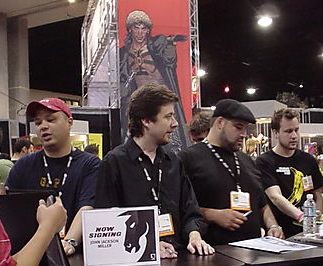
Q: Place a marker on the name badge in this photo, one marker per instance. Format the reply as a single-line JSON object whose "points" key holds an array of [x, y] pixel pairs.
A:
{"points": [[307, 182], [240, 200], [165, 225]]}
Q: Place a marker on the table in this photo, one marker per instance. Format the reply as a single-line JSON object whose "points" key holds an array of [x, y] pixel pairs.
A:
{"points": [[235, 256], [307, 257], [184, 259]]}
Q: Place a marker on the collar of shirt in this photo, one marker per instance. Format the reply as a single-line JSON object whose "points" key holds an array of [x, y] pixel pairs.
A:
{"points": [[134, 150]]}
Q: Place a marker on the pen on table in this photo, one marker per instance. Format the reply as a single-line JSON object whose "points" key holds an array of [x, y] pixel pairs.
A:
{"points": [[247, 213]]}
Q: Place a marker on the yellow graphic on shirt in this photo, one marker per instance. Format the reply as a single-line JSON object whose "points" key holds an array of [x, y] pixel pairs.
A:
{"points": [[298, 188], [43, 182]]}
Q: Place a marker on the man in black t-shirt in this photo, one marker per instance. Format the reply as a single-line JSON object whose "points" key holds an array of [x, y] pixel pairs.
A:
{"points": [[58, 167], [225, 180], [288, 174]]}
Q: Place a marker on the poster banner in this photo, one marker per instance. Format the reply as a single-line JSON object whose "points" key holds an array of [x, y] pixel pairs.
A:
{"points": [[127, 236], [96, 139], [154, 41]]}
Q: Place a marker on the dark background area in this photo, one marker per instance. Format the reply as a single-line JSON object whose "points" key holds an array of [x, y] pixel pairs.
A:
{"points": [[55, 57], [235, 51]]}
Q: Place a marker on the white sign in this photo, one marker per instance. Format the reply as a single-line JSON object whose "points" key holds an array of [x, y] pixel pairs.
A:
{"points": [[121, 236]]}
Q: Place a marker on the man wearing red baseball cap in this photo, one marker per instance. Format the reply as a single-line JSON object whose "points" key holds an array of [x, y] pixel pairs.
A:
{"points": [[60, 167], [53, 104]]}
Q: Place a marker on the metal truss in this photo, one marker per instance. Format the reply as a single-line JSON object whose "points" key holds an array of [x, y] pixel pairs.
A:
{"points": [[195, 49], [101, 68]]}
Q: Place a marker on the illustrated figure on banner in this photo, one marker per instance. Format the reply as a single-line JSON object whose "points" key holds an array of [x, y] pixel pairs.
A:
{"points": [[149, 59]]}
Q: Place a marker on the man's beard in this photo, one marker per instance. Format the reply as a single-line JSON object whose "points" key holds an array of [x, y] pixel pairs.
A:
{"points": [[232, 146]]}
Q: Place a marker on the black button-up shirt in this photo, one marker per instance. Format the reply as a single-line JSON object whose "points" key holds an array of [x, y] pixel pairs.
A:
{"points": [[122, 182]]}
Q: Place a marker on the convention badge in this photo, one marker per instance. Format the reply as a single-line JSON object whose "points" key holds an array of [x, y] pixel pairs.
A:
{"points": [[307, 182], [165, 225], [240, 201]]}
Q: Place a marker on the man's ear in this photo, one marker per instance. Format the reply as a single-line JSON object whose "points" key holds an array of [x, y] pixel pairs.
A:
{"points": [[70, 121], [145, 122], [219, 122], [24, 149], [275, 132]]}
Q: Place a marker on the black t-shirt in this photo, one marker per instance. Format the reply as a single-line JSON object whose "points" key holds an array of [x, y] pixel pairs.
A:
{"points": [[287, 173], [30, 173], [213, 183]]}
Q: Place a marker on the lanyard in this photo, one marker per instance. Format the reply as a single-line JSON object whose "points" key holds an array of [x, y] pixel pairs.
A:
{"points": [[65, 175], [160, 173], [226, 166]]}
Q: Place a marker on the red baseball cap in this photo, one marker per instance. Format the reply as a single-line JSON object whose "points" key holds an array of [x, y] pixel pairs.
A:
{"points": [[53, 104]]}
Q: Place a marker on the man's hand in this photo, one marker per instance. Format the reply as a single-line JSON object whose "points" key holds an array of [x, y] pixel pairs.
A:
{"points": [[68, 248], [197, 243], [226, 218], [276, 231], [73, 237], [167, 250]]}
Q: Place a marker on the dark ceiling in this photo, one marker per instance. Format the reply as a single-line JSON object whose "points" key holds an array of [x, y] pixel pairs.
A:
{"points": [[234, 51], [55, 57]]}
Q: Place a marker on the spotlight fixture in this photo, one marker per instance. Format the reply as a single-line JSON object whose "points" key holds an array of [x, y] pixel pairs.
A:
{"points": [[265, 21], [201, 72], [251, 90]]}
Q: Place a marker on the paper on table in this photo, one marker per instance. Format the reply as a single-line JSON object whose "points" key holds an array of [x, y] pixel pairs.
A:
{"points": [[271, 244]]}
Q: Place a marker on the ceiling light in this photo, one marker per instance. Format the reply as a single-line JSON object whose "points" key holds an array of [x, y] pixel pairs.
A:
{"points": [[201, 72], [251, 91], [265, 21], [71, 1]]}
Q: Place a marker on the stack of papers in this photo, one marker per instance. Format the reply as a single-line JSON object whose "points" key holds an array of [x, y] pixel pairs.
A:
{"points": [[271, 244]]}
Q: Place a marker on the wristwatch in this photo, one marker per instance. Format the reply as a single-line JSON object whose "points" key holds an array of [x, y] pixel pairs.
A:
{"points": [[72, 242]]}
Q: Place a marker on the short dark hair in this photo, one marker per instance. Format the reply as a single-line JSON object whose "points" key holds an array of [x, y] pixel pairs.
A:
{"points": [[145, 103], [20, 143], [278, 115], [200, 123]]}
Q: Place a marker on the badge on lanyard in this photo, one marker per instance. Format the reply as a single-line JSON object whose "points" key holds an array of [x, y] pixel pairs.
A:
{"points": [[165, 225], [307, 182], [240, 200]]}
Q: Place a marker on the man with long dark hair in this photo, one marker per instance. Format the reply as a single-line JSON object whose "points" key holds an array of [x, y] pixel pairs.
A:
{"points": [[141, 173]]}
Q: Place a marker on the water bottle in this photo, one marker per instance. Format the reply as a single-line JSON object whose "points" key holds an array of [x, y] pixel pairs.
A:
{"points": [[309, 222]]}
